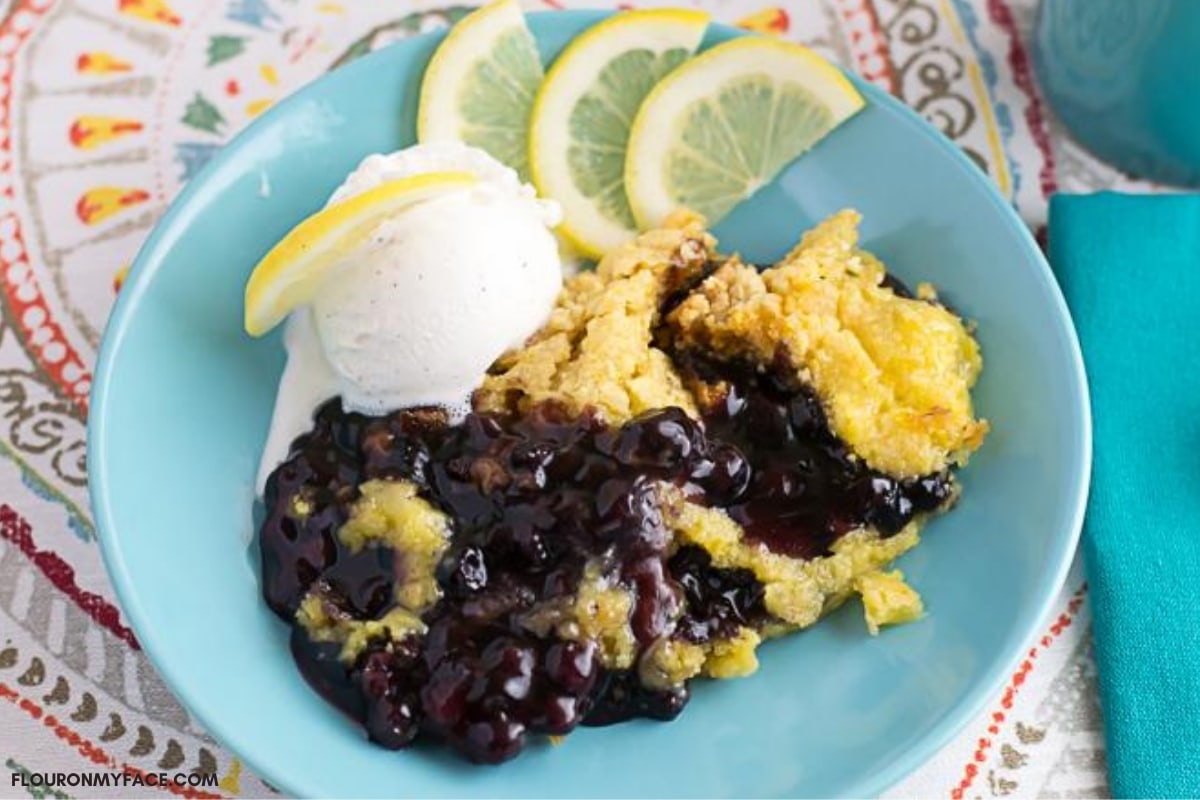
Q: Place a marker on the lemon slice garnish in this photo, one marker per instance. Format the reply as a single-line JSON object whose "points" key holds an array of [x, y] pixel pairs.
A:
{"points": [[289, 275], [724, 124], [583, 112], [480, 84]]}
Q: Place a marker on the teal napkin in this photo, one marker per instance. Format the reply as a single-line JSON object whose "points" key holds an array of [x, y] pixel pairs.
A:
{"points": [[1130, 269]]}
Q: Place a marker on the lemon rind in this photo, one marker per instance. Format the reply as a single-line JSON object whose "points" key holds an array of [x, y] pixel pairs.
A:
{"points": [[286, 275]]}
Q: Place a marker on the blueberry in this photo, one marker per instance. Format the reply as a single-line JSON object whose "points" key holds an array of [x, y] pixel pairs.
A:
{"points": [[890, 508], [393, 722], [494, 740], [658, 439], [444, 696], [572, 665]]}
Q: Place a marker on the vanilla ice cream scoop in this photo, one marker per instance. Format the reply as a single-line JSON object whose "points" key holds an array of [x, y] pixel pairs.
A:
{"points": [[420, 311], [437, 295]]}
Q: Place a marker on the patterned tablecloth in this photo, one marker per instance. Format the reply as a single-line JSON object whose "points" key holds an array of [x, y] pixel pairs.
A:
{"points": [[107, 107]]}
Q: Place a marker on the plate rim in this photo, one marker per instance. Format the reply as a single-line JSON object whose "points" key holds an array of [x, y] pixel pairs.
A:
{"points": [[155, 249]]}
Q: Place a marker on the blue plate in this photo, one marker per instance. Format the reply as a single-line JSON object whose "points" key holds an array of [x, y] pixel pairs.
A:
{"points": [[182, 400]]}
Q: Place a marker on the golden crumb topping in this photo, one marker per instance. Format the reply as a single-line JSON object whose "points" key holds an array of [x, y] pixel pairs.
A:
{"points": [[733, 657], [325, 622], [668, 663], [390, 513], [597, 348], [887, 599], [893, 373], [599, 611], [797, 591]]}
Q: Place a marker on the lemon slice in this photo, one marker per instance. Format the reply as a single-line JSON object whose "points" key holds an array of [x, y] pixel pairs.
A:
{"points": [[292, 272], [583, 112], [480, 84], [717, 129]]}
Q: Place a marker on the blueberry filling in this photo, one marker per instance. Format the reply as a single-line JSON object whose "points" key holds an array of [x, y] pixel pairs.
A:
{"points": [[540, 503]]}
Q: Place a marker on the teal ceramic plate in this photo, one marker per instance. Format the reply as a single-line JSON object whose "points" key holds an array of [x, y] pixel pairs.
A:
{"points": [[182, 400]]}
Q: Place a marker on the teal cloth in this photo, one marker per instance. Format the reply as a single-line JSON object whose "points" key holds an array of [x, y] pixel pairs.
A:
{"points": [[1130, 269]]}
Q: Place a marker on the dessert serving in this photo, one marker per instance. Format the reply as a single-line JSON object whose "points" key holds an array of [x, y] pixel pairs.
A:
{"points": [[526, 503]]}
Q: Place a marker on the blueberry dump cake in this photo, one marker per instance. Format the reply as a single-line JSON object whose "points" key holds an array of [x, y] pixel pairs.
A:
{"points": [[690, 455]]}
